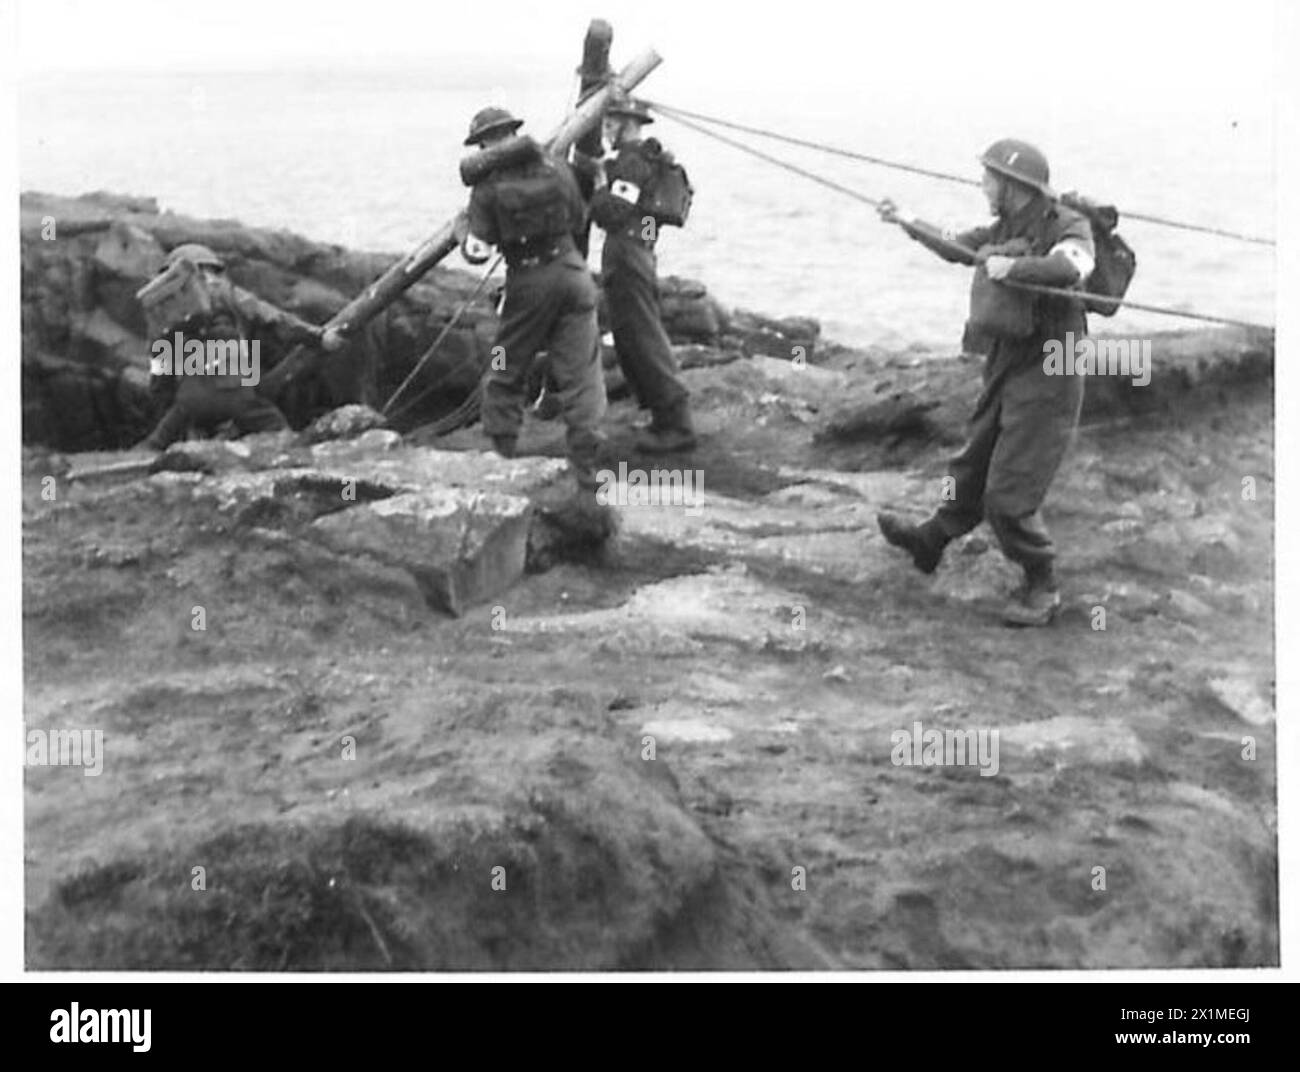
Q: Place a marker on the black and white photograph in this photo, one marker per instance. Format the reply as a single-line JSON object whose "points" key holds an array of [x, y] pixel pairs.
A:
{"points": [[694, 491]]}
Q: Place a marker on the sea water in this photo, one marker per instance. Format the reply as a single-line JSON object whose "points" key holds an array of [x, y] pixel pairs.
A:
{"points": [[368, 158]]}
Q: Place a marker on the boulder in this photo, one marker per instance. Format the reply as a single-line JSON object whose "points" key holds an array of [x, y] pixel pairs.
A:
{"points": [[99, 340], [128, 252], [78, 301], [900, 415], [205, 456], [757, 334], [376, 441], [72, 404], [345, 422], [116, 297]]}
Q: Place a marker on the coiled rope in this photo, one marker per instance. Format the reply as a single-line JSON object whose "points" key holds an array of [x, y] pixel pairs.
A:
{"points": [[442, 335]]}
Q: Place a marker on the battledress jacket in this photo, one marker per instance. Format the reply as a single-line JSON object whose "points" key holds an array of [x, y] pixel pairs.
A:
{"points": [[634, 168], [539, 198], [1043, 225]]}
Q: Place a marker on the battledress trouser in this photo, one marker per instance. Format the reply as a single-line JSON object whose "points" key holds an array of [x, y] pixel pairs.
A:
{"points": [[200, 402], [628, 272], [1023, 425], [549, 307]]}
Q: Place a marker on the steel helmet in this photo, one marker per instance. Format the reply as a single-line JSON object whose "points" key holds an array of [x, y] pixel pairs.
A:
{"points": [[490, 119], [1020, 162], [630, 108], [198, 255]]}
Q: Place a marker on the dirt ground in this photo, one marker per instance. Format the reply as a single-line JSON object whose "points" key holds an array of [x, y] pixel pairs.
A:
{"points": [[766, 647]]}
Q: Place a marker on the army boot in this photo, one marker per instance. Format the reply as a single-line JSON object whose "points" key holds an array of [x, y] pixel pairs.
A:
{"points": [[585, 521], [671, 430], [924, 542], [1036, 602], [505, 445], [583, 451], [584, 472]]}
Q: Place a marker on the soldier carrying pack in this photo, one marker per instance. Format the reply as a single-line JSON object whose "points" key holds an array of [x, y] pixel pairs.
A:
{"points": [[1116, 262], [664, 189], [668, 197], [176, 296], [644, 179], [523, 198]]}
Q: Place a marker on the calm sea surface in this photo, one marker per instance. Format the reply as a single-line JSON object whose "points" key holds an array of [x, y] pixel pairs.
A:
{"points": [[368, 159]]}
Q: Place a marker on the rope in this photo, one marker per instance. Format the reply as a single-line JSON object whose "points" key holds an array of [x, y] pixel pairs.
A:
{"points": [[678, 114], [455, 319], [775, 160], [468, 410], [1084, 295], [464, 414], [857, 195], [432, 387]]}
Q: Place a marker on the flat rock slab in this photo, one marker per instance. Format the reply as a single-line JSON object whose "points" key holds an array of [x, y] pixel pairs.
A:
{"points": [[376, 439], [878, 487], [826, 525], [463, 547], [415, 469], [459, 522], [265, 496], [344, 423], [1075, 740], [1241, 697], [376, 455], [687, 731], [680, 614]]}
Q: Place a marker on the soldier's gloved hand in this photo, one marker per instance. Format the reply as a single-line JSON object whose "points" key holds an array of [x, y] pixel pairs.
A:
{"points": [[331, 340], [589, 167], [592, 169], [998, 266], [460, 226], [472, 248]]}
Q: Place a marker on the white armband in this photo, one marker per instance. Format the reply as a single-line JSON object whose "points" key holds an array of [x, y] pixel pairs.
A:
{"points": [[626, 191], [1078, 256]]}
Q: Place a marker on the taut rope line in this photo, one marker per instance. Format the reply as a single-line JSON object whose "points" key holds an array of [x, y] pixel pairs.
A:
{"points": [[680, 114], [859, 196]]}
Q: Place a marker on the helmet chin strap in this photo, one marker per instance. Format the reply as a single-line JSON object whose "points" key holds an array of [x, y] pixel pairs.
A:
{"points": [[1000, 206]]}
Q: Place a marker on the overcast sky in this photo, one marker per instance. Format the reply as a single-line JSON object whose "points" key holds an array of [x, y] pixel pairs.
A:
{"points": [[1105, 50]]}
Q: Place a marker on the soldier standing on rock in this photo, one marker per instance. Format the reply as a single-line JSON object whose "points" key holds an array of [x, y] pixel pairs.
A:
{"points": [[628, 272], [1025, 419], [529, 207], [204, 401]]}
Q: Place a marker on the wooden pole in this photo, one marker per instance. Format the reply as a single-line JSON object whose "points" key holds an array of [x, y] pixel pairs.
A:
{"points": [[592, 72], [408, 271]]}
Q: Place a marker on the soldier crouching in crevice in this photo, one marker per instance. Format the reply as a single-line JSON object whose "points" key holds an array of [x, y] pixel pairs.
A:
{"points": [[1025, 419], [220, 312], [528, 205]]}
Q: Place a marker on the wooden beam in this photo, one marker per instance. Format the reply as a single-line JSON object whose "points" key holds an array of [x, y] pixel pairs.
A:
{"points": [[408, 271]]}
